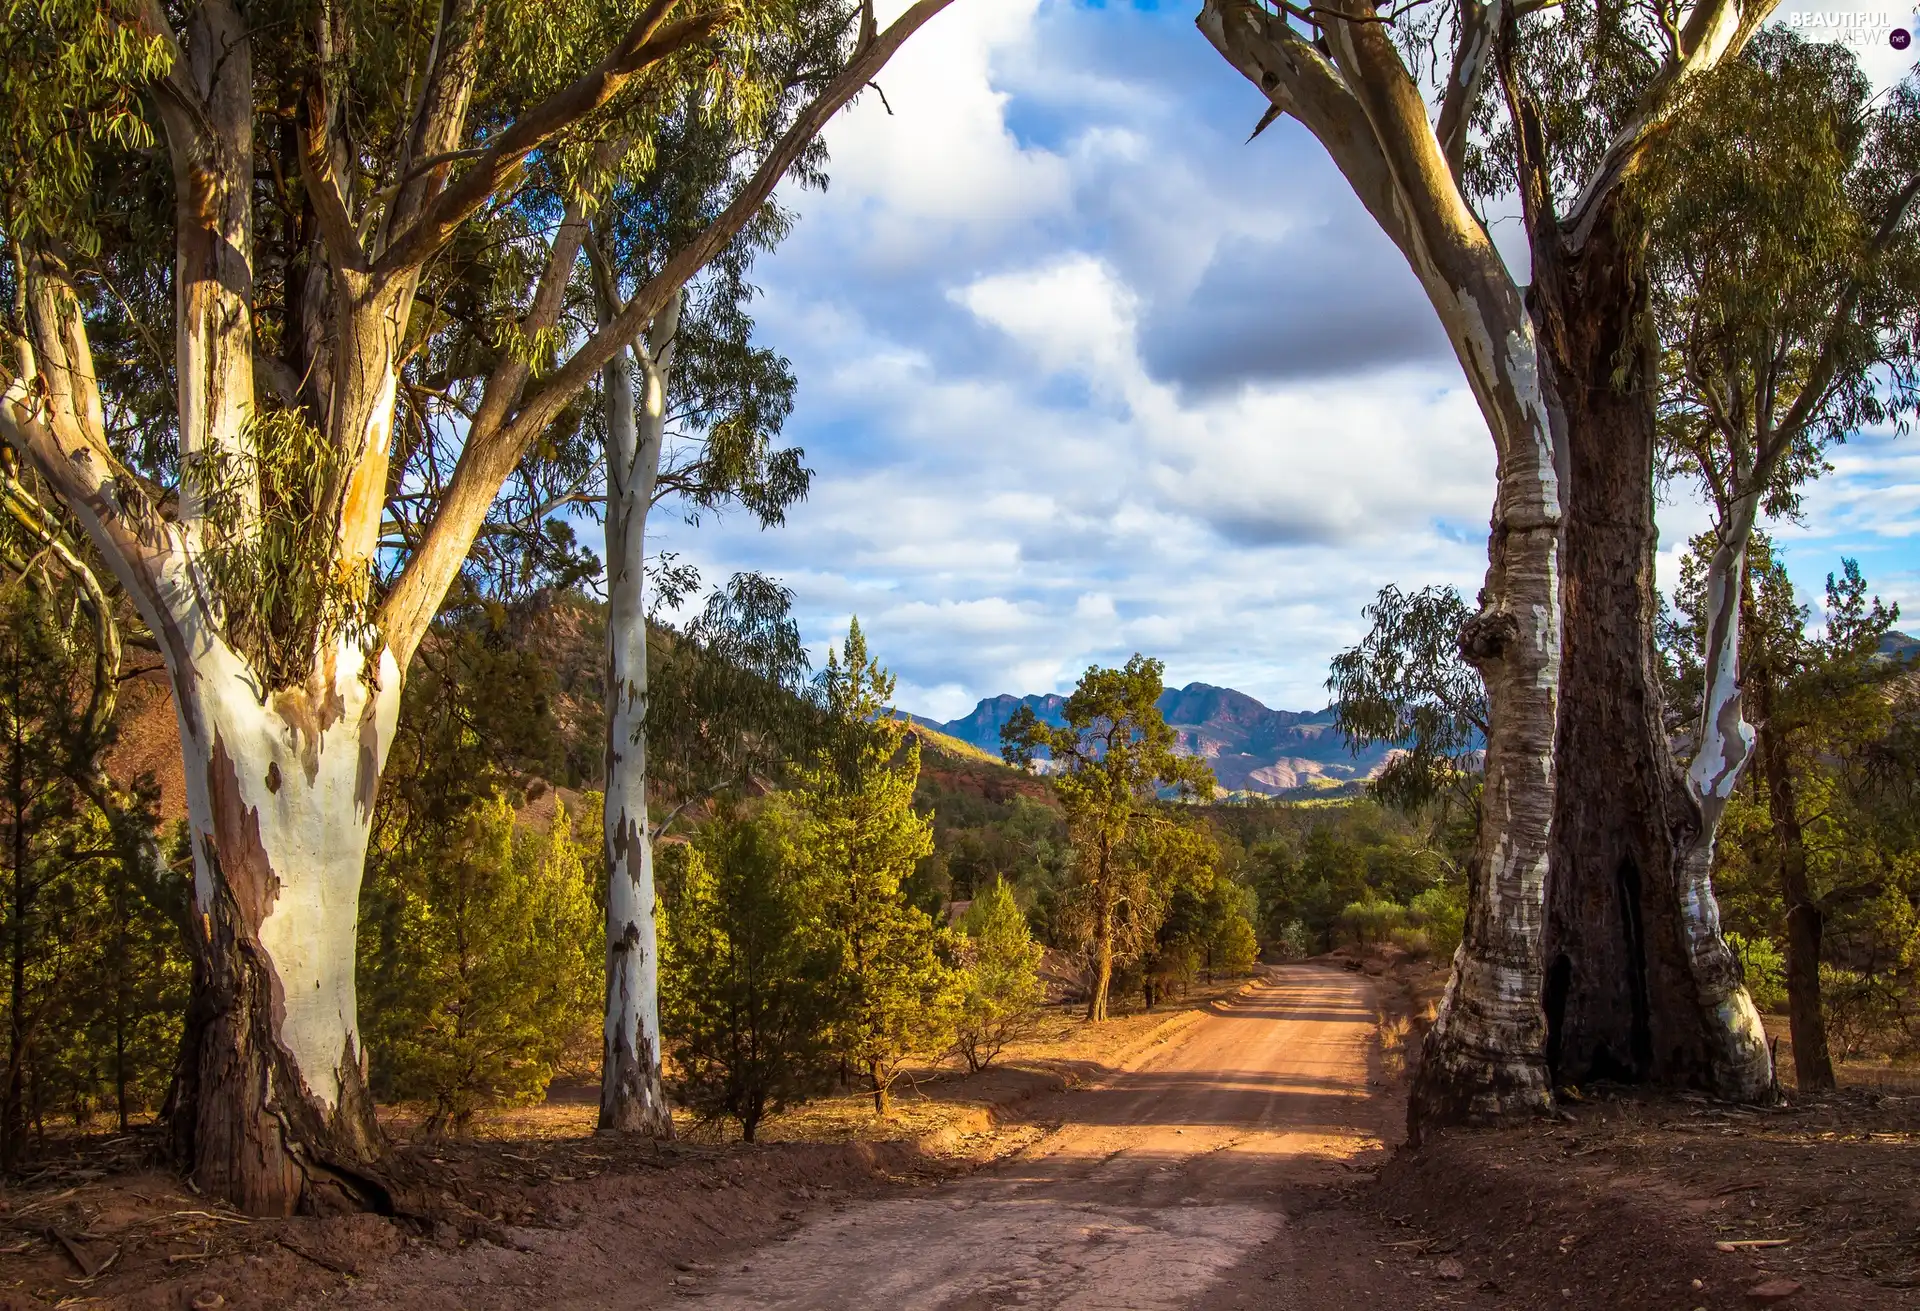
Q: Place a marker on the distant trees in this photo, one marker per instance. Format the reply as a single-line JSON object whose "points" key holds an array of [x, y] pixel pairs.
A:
{"points": [[1107, 764], [1196, 911]]}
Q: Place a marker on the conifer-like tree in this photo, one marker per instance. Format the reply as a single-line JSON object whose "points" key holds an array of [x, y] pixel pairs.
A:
{"points": [[1001, 987], [491, 974], [864, 837], [1109, 761], [749, 984]]}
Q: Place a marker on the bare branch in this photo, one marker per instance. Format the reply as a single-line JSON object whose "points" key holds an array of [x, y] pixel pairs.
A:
{"points": [[1479, 30], [1301, 81]]}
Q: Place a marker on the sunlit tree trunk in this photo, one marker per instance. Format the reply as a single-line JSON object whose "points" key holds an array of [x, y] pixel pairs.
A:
{"points": [[280, 801], [1486, 1056], [283, 755], [1102, 937], [632, 1096]]}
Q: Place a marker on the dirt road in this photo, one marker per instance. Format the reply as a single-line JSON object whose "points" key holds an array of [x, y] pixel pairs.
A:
{"points": [[1160, 1188]]}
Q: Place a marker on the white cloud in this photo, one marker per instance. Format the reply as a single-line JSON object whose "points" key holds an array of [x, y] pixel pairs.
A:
{"points": [[1083, 373]]}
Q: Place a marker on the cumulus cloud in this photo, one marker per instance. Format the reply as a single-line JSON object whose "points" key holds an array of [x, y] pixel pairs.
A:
{"points": [[1083, 373]]}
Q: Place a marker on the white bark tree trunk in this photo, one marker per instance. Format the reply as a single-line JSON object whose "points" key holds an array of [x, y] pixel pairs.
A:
{"points": [[271, 1105], [1485, 1056], [632, 1096], [280, 797], [1724, 745]]}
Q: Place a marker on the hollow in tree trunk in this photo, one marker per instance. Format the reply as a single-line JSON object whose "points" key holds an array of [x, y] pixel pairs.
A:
{"points": [[1639, 984]]}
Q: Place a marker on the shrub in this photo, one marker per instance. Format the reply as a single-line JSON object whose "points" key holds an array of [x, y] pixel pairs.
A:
{"points": [[1412, 941], [494, 968], [1293, 941], [1862, 1011], [1441, 914], [1764, 968], [1001, 989], [1365, 923], [747, 971], [1235, 948]]}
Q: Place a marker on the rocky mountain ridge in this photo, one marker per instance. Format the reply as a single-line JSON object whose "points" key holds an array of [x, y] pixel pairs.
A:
{"points": [[1252, 747]]}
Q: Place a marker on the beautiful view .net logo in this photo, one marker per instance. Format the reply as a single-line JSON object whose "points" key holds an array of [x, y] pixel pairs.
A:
{"points": [[1856, 27]]}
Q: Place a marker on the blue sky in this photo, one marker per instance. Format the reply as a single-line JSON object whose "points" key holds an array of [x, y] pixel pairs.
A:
{"points": [[1084, 373]]}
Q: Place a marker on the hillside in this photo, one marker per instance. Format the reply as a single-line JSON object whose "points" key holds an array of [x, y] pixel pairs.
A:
{"points": [[1251, 747]]}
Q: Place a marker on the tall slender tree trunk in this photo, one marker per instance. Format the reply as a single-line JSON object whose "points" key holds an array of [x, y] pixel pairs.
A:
{"points": [[1639, 985], [632, 1094], [13, 1112], [882, 1100], [1806, 921], [1102, 939]]}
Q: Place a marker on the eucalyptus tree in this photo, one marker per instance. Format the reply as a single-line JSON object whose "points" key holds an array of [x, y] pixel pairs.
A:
{"points": [[1109, 760], [1785, 261], [1588, 821], [696, 377], [1404, 685], [344, 194]]}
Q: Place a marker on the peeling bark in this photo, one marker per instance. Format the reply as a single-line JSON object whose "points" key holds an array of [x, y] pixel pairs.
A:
{"points": [[1486, 1057], [276, 1114], [282, 767], [1641, 985], [632, 1096]]}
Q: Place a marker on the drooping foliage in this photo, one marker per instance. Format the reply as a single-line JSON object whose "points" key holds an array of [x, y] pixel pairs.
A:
{"points": [[1405, 685]]}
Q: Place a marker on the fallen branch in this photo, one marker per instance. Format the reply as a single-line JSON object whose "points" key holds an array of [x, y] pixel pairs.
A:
{"points": [[1748, 1244]]}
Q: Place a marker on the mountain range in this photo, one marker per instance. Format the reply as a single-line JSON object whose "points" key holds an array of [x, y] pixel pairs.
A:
{"points": [[1251, 747]]}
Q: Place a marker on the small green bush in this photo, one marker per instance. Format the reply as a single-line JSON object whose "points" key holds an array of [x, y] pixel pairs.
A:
{"points": [[1441, 914], [1001, 988], [748, 987], [1412, 941], [1764, 968], [1365, 923], [1863, 1012]]}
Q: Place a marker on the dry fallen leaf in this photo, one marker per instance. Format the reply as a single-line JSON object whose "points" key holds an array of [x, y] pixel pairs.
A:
{"points": [[1448, 1268]]}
